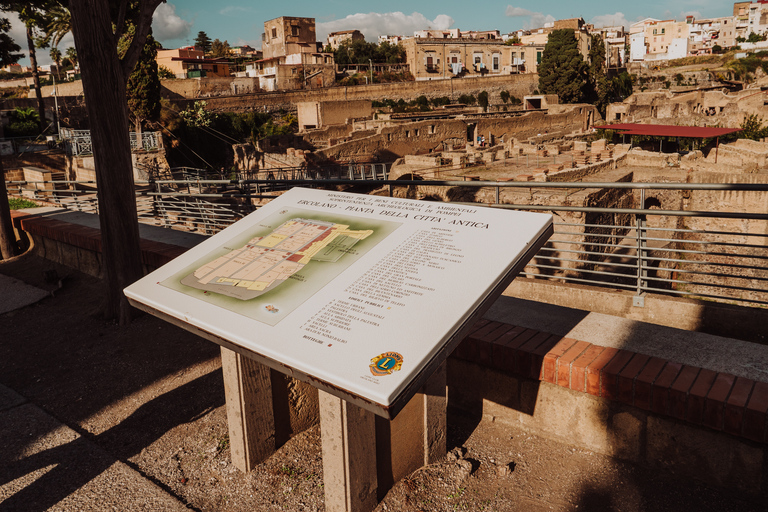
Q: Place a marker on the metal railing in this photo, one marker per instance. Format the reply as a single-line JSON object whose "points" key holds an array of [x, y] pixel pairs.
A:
{"points": [[78, 142], [614, 235]]}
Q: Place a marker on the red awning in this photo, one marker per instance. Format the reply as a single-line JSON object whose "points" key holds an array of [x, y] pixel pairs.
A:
{"points": [[666, 130]]}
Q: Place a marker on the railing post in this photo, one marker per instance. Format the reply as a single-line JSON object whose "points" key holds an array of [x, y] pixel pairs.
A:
{"points": [[642, 253]]}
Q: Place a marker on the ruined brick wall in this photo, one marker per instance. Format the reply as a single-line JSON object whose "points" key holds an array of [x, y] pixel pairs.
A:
{"points": [[392, 142], [559, 122]]}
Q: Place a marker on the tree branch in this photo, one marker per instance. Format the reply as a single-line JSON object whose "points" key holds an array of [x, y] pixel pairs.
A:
{"points": [[120, 23], [143, 25]]}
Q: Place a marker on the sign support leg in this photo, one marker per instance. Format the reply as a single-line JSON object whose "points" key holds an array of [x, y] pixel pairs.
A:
{"points": [[349, 455], [250, 415]]}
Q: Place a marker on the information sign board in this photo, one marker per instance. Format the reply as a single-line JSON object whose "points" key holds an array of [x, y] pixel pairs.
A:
{"points": [[361, 295]]}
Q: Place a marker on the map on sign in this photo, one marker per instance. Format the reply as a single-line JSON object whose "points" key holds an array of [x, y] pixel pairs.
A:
{"points": [[266, 262], [269, 270]]}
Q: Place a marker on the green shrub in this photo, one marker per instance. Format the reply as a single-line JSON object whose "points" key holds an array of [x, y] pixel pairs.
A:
{"points": [[17, 203]]}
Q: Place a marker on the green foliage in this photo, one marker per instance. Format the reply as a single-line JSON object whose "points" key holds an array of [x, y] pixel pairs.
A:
{"points": [[18, 204], [143, 88], [197, 116], [423, 103], [504, 96], [363, 52], [440, 101], [71, 55], [24, 122], [752, 128], [202, 135], [562, 70], [679, 79], [744, 69], [164, 73], [512, 40], [717, 49], [598, 91], [8, 47], [219, 49], [755, 38], [203, 42], [482, 100], [467, 99]]}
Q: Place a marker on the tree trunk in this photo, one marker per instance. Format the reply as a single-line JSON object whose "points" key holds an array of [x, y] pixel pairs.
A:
{"points": [[8, 246], [36, 77], [104, 91]]}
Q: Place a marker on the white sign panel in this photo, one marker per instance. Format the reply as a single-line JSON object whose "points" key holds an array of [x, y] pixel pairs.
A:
{"points": [[360, 295]]}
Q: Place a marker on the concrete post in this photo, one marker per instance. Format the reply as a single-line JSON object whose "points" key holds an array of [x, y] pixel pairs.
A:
{"points": [[364, 455], [250, 413], [349, 455]]}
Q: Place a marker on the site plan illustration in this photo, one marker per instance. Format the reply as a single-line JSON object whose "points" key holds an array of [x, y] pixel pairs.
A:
{"points": [[268, 270], [266, 262]]}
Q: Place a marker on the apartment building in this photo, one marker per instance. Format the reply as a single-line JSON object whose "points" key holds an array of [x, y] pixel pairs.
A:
{"points": [[292, 57], [437, 59], [652, 39], [336, 38], [706, 33], [751, 17], [188, 62]]}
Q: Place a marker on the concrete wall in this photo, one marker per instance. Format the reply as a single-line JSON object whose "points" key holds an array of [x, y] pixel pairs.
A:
{"points": [[620, 431], [320, 114]]}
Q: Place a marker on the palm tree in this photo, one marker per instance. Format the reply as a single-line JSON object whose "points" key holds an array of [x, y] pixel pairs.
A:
{"points": [[55, 54], [71, 56], [59, 24]]}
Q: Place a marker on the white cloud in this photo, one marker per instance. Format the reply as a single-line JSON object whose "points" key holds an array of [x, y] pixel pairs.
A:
{"points": [[167, 25], [514, 12], [535, 19], [235, 10], [610, 20], [374, 24]]}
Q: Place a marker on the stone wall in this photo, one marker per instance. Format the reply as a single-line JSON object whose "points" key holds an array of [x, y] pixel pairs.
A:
{"points": [[195, 88], [390, 142], [516, 85]]}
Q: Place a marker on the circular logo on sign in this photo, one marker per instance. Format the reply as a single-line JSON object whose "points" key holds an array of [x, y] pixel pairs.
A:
{"points": [[386, 363]]}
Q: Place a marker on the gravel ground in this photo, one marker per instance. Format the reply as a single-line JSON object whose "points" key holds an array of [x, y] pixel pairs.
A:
{"points": [[151, 396]]}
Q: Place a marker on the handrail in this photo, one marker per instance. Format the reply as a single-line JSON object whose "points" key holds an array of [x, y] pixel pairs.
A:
{"points": [[636, 248]]}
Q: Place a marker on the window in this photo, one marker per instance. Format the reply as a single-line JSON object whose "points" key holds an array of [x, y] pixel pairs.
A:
{"points": [[538, 57], [662, 31], [431, 128], [454, 60], [477, 60], [495, 63], [407, 133], [274, 33], [429, 62], [654, 31], [295, 30], [416, 132]]}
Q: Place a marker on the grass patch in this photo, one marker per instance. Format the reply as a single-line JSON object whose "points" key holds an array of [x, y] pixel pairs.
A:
{"points": [[19, 204]]}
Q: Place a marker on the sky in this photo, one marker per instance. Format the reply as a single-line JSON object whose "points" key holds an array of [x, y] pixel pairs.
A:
{"points": [[177, 22]]}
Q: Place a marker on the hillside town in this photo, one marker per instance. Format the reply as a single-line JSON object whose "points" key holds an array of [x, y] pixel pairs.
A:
{"points": [[431, 269]]}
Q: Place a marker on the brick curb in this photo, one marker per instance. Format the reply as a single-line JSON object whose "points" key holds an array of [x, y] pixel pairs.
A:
{"points": [[699, 396]]}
